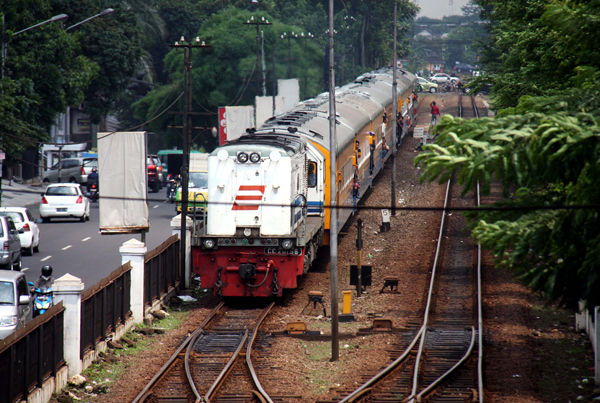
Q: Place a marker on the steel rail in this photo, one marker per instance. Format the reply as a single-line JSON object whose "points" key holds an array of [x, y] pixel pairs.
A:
{"points": [[479, 293], [159, 375], [249, 352], [366, 387], [441, 378], [430, 294], [261, 394], [219, 381]]}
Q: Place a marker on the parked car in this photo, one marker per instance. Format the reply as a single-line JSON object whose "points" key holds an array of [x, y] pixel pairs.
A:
{"points": [[426, 85], [155, 173], [15, 302], [30, 237], [441, 78], [10, 255], [73, 170], [64, 200]]}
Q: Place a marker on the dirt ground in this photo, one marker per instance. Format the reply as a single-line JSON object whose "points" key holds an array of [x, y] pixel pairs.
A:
{"points": [[532, 352]]}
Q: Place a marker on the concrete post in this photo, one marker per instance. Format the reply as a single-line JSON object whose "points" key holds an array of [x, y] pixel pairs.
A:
{"points": [[134, 251], [176, 229], [68, 289]]}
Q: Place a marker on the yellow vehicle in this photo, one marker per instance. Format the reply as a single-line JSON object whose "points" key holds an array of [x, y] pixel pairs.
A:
{"points": [[197, 184]]}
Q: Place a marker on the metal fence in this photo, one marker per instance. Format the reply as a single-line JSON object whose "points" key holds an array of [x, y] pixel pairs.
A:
{"points": [[31, 355], [104, 306], [161, 270]]}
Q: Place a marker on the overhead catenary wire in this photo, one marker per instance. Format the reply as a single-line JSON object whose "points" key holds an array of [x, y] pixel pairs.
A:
{"points": [[485, 208]]}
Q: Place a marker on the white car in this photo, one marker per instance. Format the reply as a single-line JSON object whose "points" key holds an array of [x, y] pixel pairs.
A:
{"points": [[441, 78], [30, 237], [64, 200]]}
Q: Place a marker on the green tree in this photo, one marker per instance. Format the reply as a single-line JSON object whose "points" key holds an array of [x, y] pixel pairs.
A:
{"points": [[44, 73]]}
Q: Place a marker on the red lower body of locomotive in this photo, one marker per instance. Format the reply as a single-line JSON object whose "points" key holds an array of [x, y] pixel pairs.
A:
{"points": [[246, 271]]}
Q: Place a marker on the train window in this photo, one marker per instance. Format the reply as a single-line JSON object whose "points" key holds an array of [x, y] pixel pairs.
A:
{"points": [[312, 174]]}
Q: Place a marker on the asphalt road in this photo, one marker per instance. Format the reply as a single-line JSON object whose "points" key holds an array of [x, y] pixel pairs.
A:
{"points": [[77, 248]]}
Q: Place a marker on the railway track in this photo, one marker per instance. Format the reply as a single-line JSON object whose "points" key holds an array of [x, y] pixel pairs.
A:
{"points": [[214, 363], [440, 360]]}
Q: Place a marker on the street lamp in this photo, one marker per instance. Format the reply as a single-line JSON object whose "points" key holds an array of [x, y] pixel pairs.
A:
{"points": [[59, 17], [107, 11]]}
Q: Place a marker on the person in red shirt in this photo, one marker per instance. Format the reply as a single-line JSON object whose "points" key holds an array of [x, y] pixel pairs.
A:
{"points": [[435, 113]]}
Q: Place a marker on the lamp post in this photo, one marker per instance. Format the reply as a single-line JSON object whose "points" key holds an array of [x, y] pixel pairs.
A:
{"points": [[56, 18], [289, 58], [107, 11], [301, 36]]}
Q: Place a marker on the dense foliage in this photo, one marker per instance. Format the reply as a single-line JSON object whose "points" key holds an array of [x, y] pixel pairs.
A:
{"points": [[229, 74], [545, 149], [49, 68]]}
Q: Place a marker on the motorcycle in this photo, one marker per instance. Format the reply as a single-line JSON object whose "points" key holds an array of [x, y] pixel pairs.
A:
{"points": [[94, 194], [43, 299], [172, 186], [448, 87]]}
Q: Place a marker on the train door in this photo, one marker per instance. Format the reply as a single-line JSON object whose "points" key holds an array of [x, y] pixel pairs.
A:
{"points": [[315, 183]]}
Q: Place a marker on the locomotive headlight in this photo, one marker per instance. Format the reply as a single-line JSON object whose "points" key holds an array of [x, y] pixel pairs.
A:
{"points": [[222, 155], [287, 244], [242, 157], [254, 158], [209, 243]]}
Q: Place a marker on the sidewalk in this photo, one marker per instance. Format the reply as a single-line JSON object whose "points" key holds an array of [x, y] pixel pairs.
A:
{"points": [[20, 195]]}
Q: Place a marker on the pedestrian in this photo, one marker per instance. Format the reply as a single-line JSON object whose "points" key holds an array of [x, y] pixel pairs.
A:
{"points": [[435, 113], [399, 128]]}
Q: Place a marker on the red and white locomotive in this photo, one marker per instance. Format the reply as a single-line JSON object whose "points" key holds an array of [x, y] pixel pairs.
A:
{"points": [[267, 190]]}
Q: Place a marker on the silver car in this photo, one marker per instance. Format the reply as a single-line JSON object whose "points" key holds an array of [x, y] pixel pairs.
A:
{"points": [[73, 170], [10, 253], [15, 302]]}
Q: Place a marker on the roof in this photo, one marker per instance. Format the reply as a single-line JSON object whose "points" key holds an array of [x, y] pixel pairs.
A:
{"points": [[53, 185], [19, 209], [10, 275]]}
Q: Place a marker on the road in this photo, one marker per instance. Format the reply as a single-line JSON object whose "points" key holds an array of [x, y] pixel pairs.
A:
{"points": [[77, 248]]}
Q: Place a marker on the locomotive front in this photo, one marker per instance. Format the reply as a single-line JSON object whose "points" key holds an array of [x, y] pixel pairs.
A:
{"points": [[253, 240]]}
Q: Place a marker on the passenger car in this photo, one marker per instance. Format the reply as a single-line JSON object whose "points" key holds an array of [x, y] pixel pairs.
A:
{"points": [[30, 236], [10, 254], [426, 85], [73, 170], [64, 200], [441, 78], [15, 303], [155, 173]]}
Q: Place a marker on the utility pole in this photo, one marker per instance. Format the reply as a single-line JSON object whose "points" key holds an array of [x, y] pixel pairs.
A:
{"points": [[274, 80], [333, 224], [187, 137], [394, 110], [258, 39]]}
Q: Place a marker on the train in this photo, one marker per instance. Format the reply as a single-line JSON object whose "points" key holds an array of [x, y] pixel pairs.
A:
{"points": [[268, 190]]}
